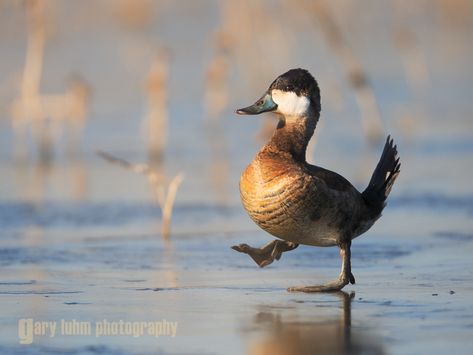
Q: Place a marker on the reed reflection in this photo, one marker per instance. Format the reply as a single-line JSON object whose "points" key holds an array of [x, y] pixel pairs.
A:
{"points": [[285, 332]]}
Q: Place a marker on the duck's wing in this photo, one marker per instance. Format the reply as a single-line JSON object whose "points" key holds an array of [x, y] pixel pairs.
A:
{"points": [[332, 180], [335, 200]]}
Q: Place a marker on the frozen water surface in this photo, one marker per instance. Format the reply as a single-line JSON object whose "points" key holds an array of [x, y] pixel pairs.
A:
{"points": [[80, 238]]}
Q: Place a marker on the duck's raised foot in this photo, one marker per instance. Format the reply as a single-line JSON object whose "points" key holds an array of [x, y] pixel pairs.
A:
{"points": [[267, 254]]}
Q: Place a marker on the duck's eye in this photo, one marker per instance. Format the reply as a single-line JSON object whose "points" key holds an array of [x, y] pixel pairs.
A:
{"points": [[260, 102]]}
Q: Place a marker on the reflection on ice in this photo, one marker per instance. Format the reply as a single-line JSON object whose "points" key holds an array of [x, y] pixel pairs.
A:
{"points": [[284, 333]]}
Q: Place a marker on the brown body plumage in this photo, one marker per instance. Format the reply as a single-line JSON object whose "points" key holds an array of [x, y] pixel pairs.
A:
{"points": [[302, 203]]}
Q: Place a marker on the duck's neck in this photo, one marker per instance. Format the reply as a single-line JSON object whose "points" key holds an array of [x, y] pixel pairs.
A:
{"points": [[293, 134]]}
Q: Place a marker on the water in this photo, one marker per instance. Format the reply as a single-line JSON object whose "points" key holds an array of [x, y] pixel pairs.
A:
{"points": [[80, 238]]}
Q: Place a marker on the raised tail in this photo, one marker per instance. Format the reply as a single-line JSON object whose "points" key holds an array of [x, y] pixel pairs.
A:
{"points": [[383, 177]]}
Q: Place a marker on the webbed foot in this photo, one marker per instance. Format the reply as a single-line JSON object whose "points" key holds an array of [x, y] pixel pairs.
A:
{"points": [[344, 278], [333, 286], [267, 254]]}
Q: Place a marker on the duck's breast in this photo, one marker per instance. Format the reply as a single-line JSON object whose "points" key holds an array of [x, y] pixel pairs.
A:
{"points": [[279, 197]]}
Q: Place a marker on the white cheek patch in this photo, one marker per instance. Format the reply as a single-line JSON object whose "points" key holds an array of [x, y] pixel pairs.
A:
{"points": [[289, 103]]}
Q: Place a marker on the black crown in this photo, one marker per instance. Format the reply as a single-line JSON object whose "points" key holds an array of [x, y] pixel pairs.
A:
{"points": [[299, 81]]}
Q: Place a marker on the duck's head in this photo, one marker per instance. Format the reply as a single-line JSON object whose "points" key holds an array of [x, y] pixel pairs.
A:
{"points": [[293, 94]]}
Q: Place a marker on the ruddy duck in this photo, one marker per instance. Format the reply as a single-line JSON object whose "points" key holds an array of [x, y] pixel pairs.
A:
{"points": [[301, 203]]}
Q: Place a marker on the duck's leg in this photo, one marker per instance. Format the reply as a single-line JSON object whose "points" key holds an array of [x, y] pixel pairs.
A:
{"points": [[267, 254], [344, 278]]}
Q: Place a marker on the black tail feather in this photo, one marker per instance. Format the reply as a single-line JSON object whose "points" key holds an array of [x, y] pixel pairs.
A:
{"points": [[383, 177]]}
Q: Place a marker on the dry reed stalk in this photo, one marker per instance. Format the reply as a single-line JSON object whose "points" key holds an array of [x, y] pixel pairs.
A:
{"points": [[35, 48], [47, 114], [65, 109], [27, 108], [413, 59], [216, 100], [134, 14], [78, 175], [167, 206], [75, 111], [218, 167], [357, 77], [165, 189], [414, 63], [260, 45], [155, 124], [44, 114], [216, 96]]}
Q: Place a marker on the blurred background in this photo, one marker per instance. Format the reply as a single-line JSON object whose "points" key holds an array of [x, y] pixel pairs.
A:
{"points": [[157, 83]]}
